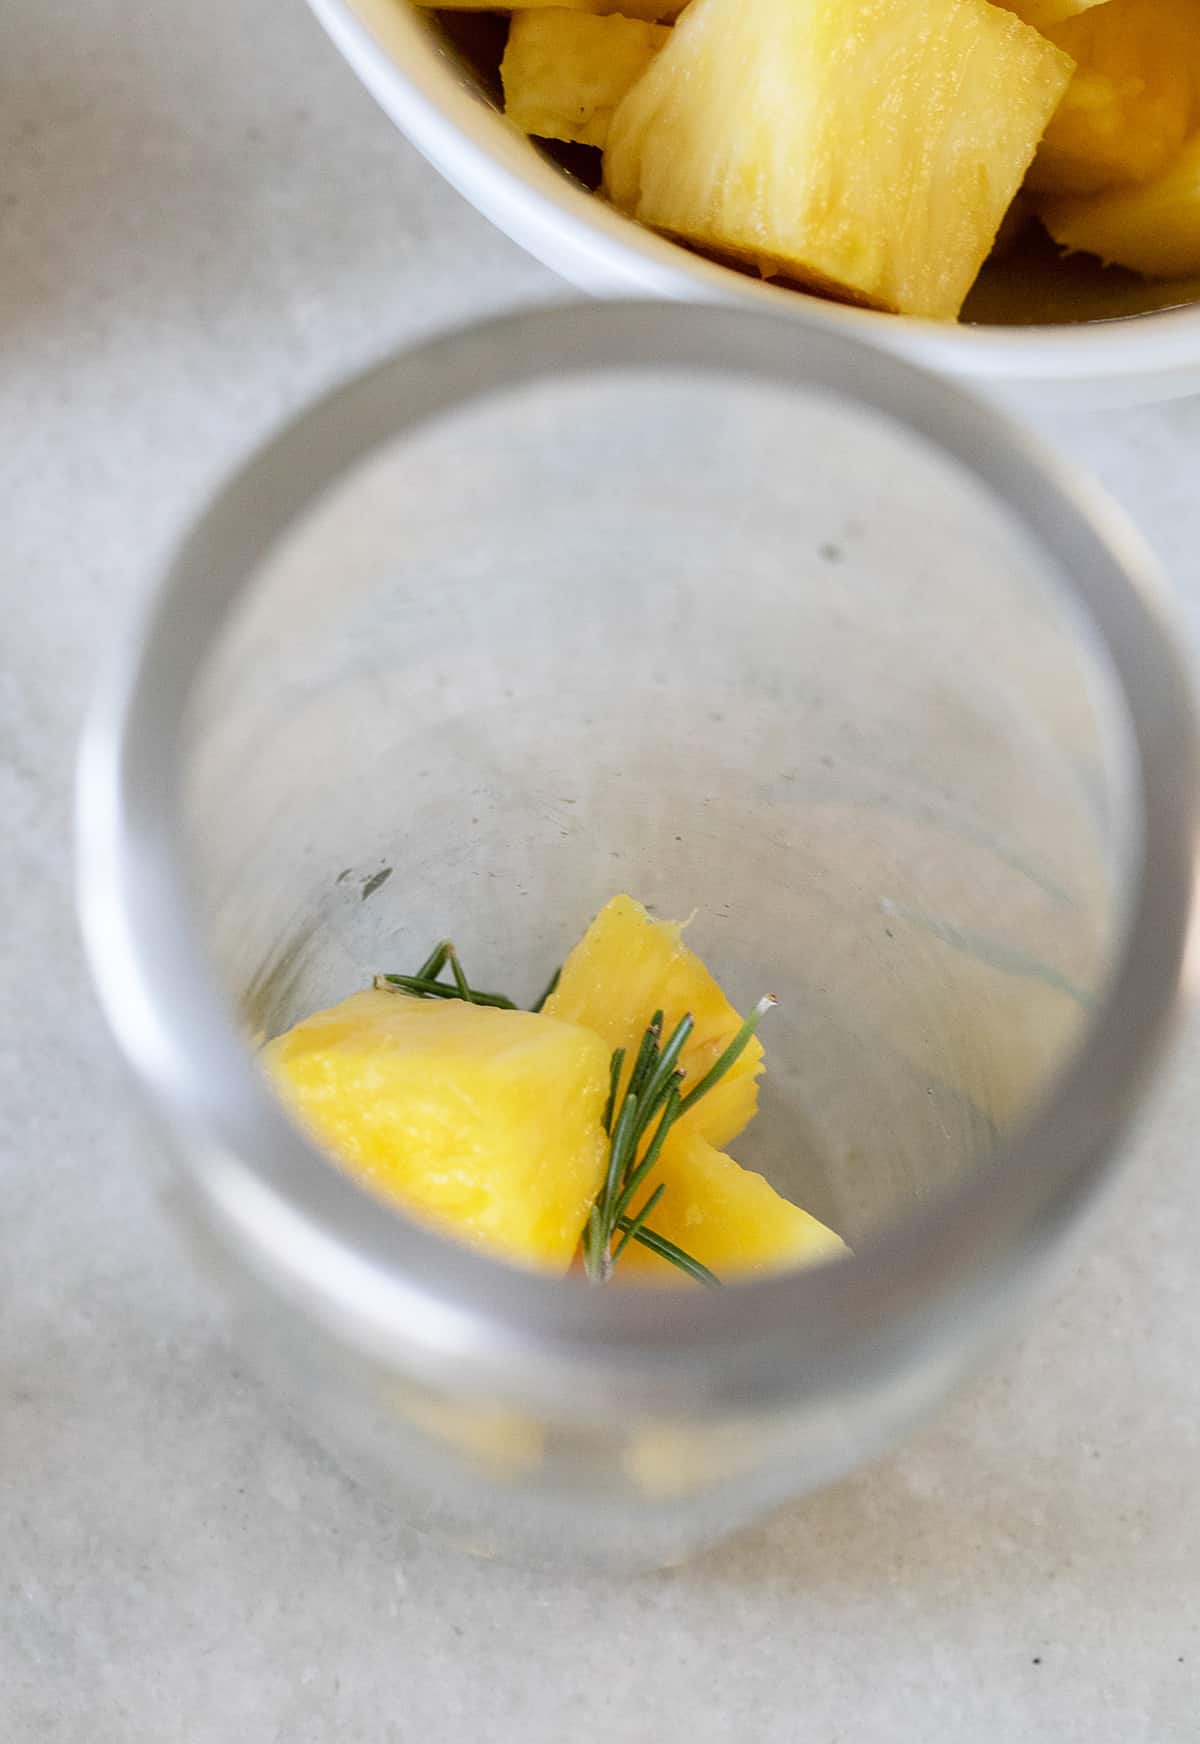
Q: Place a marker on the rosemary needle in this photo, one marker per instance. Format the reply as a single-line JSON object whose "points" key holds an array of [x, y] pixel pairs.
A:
{"points": [[425, 987], [638, 1175], [614, 1078], [646, 1055], [735, 1049], [460, 980], [631, 1226], [434, 963], [667, 1250]]}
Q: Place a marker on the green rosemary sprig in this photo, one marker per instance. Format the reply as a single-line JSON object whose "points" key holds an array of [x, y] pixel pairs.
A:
{"points": [[652, 1097], [427, 982], [426, 988]]}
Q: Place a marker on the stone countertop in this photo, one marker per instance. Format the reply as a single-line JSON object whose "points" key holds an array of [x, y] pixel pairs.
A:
{"points": [[205, 221]]}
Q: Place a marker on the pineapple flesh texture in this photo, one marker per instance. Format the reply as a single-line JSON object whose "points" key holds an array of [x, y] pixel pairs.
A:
{"points": [[565, 72], [628, 966], [868, 148], [1152, 229], [486, 1124], [727, 1217], [1131, 101]]}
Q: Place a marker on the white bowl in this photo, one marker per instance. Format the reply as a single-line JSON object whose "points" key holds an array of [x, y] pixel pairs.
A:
{"points": [[419, 81]]}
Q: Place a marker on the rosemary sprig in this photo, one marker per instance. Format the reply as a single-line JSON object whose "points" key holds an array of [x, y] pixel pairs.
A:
{"points": [[428, 984], [425, 987], [653, 1094]]}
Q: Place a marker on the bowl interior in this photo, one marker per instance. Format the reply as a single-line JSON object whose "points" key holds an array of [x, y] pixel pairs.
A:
{"points": [[1032, 284]]}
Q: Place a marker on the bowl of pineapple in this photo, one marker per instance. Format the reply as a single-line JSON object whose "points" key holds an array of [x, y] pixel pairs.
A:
{"points": [[1009, 193]]}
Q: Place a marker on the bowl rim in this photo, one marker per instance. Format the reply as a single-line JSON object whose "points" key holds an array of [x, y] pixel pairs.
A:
{"points": [[396, 53], [399, 1291]]}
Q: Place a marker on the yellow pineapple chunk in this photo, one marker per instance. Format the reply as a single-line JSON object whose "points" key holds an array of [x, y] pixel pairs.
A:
{"points": [[1154, 228], [650, 10], [482, 1122], [727, 1217], [869, 148], [1131, 100], [565, 72], [1043, 13], [628, 966]]}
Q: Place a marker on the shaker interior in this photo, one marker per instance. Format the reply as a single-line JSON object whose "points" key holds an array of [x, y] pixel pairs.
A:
{"points": [[733, 649]]}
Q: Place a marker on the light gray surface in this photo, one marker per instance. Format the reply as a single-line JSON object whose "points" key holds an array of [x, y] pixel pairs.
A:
{"points": [[202, 221]]}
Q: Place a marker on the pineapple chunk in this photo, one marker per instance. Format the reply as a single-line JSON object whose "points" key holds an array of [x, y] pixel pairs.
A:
{"points": [[869, 148], [482, 1122], [1130, 103], [652, 11], [1154, 229], [624, 969], [1043, 13], [565, 72], [727, 1217]]}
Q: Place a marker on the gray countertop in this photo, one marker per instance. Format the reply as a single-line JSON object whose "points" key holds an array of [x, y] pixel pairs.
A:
{"points": [[204, 221]]}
